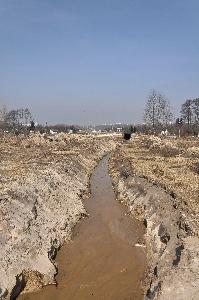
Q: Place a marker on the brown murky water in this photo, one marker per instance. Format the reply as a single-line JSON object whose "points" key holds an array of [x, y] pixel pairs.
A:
{"points": [[101, 262]]}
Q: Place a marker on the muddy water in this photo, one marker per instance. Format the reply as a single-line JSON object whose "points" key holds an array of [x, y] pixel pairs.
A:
{"points": [[101, 262]]}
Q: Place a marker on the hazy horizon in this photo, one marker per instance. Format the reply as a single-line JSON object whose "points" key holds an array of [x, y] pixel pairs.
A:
{"points": [[94, 62]]}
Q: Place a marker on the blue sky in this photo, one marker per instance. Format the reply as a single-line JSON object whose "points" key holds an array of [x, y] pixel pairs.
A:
{"points": [[89, 61]]}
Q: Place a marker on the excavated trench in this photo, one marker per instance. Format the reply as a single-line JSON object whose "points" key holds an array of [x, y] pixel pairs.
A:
{"points": [[104, 260]]}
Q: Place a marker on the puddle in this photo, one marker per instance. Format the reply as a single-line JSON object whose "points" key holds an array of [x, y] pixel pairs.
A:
{"points": [[101, 262]]}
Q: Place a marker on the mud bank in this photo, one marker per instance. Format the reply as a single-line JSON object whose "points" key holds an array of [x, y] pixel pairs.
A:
{"points": [[172, 247], [42, 185], [102, 261]]}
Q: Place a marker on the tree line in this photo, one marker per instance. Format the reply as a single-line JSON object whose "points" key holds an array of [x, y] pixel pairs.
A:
{"points": [[21, 121], [15, 119], [158, 113], [190, 111]]}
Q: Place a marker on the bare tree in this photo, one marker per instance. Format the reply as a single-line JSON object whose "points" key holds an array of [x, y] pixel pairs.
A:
{"points": [[196, 109], [3, 112], [150, 115], [17, 118], [157, 109], [27, 116], [12, 119], [165, 113], [187, 111]]}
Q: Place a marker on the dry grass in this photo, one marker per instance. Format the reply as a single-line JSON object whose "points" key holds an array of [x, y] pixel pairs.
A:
{"points": [[23, 155], [172, 163]]}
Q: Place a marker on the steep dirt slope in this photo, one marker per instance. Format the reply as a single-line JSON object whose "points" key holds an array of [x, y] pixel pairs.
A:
{"points": [[158, 180], [43, 180]]}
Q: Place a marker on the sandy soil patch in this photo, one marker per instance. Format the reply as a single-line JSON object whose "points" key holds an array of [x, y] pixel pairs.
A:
{"points": [[43, 180], [158, 179]]}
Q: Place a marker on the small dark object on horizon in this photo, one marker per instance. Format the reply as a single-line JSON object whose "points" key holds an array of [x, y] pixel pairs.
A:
{"points": [[32, 125], [127, 136]]}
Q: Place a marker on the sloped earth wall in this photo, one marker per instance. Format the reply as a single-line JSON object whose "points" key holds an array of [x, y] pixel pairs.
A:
{"points": [[171, 241], [39, 208]]}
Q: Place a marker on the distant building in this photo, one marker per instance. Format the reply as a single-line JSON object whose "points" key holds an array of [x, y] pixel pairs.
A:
{"points": [[119, 129]]}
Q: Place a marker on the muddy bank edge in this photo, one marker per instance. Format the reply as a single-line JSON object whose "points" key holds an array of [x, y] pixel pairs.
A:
{"points": [[40, 207], [172, 248]]}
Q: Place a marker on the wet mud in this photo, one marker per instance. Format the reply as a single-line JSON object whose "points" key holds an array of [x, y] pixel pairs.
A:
{"points": [[102, 261]]}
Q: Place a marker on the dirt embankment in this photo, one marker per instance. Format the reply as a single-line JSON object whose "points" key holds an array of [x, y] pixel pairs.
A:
{"points": [[42, 183], [159, 182], [102, 261]]}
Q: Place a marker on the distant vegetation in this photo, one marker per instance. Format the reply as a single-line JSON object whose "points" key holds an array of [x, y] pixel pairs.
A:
{"points": [[15, 119], [158, 116], [157, 110]]}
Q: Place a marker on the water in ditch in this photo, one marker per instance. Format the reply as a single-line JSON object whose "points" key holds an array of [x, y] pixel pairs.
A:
{"points": [[102, 261]]}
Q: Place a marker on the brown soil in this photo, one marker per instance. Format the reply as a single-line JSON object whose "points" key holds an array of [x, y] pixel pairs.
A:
{"points": [[158, 180], [42, 180], [102, 261]]}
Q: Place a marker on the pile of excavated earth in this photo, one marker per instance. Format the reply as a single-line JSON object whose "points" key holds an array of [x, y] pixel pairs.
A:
{"points": [[43, 180], [158, 179]]}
